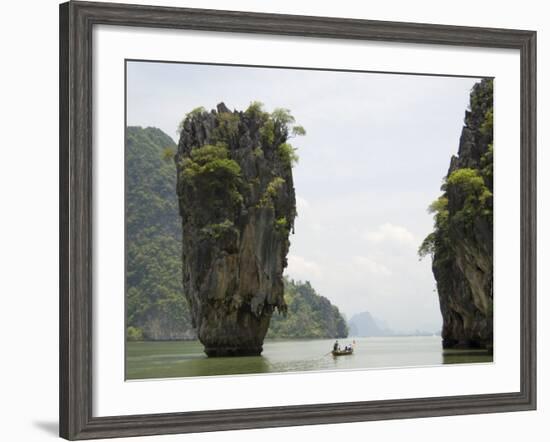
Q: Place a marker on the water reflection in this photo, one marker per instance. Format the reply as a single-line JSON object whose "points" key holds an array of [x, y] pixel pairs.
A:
{"points": [[466, 356], [147, 360]]}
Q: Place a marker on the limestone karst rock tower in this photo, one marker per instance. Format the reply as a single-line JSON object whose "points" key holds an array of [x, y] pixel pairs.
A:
{"points": [[237, 206]]}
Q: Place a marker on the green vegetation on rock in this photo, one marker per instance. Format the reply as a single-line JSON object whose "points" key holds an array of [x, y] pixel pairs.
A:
{"points": [[237, 205], [155, 305], [215, 179], [461, 244]]}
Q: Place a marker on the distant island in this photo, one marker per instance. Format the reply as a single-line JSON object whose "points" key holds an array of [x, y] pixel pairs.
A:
{"points": [[364, 324], [156, 307]]}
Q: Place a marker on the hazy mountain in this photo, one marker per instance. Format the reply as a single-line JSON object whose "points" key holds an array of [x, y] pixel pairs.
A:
{"points": [[364, 324]]}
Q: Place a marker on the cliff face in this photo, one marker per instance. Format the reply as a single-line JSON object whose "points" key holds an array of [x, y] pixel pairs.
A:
{"points": [[156, 307], [237, 206], [462, 242]]}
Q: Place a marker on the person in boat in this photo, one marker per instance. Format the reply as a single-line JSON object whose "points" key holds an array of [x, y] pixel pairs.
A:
{"points": [[336, 346]]}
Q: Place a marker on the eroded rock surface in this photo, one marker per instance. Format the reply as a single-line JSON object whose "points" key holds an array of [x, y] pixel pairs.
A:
{"points": [[462, 242], [237, 205]]}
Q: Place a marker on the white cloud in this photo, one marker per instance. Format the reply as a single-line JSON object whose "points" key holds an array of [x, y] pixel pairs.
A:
{"points": [[301, 204], [306, 213], [316, 227], [390, 233], [302, 269], [364, 263]]}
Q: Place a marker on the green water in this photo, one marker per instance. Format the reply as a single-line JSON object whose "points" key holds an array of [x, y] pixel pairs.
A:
{"points": [[146, 360]]}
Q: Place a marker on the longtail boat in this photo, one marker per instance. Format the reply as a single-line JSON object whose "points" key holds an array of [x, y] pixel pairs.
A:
{"points": [[342, 352]]}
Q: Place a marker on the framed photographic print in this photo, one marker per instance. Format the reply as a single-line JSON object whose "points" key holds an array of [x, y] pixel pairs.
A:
{"points": [[272, 220]]}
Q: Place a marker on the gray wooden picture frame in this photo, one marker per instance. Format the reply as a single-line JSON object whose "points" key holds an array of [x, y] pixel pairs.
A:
{"points": [[75, 209]]}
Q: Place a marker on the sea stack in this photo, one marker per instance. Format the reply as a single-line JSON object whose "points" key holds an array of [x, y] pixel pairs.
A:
{"points": [[237, 206]]}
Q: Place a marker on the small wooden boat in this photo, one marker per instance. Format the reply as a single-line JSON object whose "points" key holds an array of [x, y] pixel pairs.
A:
{"points": [[342, 352]]}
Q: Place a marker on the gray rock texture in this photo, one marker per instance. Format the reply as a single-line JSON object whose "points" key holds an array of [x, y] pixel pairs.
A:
{"points": [[237, 206], [463, 246]]}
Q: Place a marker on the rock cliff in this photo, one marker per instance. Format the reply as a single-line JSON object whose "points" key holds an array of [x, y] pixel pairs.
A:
{"points": [[237, 207], [462, 242]]}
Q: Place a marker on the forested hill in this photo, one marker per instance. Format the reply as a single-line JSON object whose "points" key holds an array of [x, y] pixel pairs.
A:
{"points": [[156, 306], [309, 315]]}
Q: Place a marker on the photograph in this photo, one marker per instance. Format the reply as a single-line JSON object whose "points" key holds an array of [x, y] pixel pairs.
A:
{"points": [[282, 219]]}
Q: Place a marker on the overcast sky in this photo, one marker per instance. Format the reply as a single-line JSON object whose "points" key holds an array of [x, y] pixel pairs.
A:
{"points": [[376, 150]]}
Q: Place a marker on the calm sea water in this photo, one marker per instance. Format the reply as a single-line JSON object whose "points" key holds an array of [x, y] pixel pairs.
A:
{"points": [[146, 360]]}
